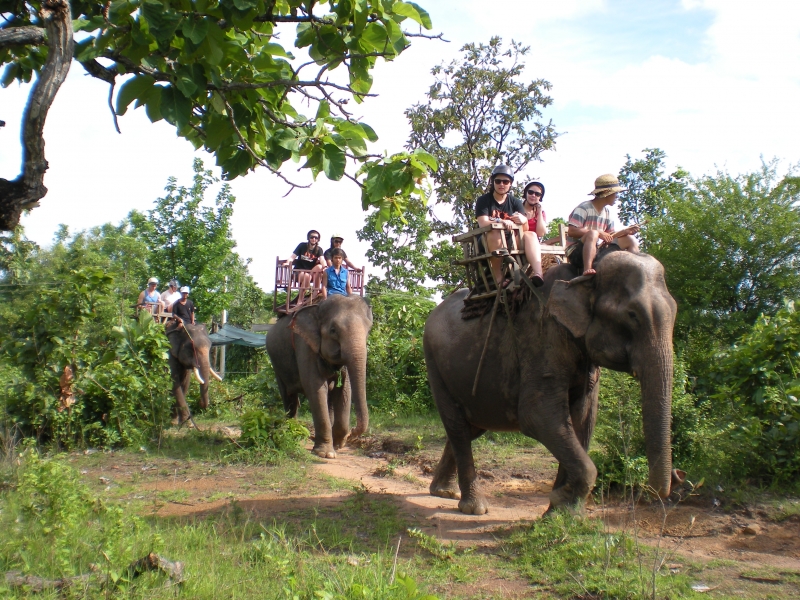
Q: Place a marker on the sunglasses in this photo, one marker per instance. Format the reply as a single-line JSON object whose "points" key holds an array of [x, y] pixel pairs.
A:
{"points": [[313, 237], [502, 181], [534, 193]]}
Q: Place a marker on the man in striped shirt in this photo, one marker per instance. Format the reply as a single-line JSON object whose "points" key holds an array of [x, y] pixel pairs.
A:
{"points": [[591, 223]]}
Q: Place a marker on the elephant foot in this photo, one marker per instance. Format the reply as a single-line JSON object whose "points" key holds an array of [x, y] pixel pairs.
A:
{"points": [[474, 505], [564, 497], [324, 451], [445, 490]]}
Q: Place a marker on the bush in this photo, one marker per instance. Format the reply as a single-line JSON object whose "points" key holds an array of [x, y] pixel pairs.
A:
{"points": [[57, 528], [757, 387], [397, 380], [274, 435]]}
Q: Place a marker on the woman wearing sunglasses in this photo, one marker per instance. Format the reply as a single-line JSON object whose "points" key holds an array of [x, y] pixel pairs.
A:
{"points": [[535, 226], [307, 257]]}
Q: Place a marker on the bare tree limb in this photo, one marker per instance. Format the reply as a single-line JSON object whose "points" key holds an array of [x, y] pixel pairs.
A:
{"points": [[21, 36], [109, 75], [28, 188]]}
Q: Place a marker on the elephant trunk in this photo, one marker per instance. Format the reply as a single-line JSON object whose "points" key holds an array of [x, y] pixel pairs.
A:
{"points": [[656, 382], [357, 373]]}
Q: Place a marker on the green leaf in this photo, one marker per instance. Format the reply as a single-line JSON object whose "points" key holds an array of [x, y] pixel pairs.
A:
{"points": [[163, 24], [413, 11], [190, 79], [175, 107], [333, 162], [428, 159], [139, 86], [245, 4], [195, 30]]}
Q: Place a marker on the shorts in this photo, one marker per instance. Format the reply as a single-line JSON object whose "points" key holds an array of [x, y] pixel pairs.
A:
{"points": [[574, 253]]}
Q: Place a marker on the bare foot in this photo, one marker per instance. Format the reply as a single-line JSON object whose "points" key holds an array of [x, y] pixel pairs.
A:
{"points": [[589, 272]]}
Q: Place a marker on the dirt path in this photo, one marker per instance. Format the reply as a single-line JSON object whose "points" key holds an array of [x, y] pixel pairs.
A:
{"points": [[517, 486]]}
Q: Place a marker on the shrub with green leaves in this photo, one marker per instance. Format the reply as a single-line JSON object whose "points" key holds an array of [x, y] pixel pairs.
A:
{"points": [[55, 527], [758, 390], [397, 380], [264, 431]]}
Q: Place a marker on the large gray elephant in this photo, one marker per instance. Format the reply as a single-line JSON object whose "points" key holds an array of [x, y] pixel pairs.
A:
{"points": [[542, 368], [321, 352], [188, 354]]}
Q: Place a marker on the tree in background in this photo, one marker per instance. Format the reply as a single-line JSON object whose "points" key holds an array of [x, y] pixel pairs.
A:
{"points": [[731, 250], [649, 190], [478, 114], [191, 241], [399, 248], [218, 73]]}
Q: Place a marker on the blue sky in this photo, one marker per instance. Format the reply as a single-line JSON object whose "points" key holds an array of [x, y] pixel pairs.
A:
{"points": [[714, 83]]}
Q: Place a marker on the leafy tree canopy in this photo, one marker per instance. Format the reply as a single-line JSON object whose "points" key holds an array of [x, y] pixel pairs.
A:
{"points": [[217, 71], [648, 189], [478, 114], [731, 250]]}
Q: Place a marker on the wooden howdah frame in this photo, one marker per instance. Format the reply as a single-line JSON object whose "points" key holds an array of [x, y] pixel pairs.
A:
{"points": [[476, 255], [288, 278]]}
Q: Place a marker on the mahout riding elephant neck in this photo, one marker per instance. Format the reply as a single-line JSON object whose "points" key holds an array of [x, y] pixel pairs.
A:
{"points": [[321, 352], [188, 353], [542, 368]]}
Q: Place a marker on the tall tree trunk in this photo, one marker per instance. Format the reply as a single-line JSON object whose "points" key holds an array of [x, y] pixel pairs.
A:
{"points": [[28, 188]]}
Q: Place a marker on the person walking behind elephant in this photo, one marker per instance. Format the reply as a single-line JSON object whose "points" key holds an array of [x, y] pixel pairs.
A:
{"points": [[498, 206], [534, 224], [335, 278], [184, 308], [307, 257], [336, 242], [150, 298], [590, 223], [170, 295]]}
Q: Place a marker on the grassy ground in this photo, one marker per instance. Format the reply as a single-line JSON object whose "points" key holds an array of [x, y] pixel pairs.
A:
{"points": [[310, 535]]}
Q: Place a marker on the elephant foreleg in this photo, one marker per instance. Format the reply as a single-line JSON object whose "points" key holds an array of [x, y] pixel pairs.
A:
{"points": [[558, 435], [583, 412], [180, 387]]}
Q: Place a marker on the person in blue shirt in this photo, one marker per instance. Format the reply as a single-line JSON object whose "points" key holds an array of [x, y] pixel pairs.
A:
{"points": [[335, 278]]}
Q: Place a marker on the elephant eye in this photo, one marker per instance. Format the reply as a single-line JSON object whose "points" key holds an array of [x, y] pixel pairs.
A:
{"points": [[632, 315]]}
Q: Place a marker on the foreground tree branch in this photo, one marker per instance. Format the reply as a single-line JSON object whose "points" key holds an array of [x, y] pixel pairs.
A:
{"points": [[28, 188], [222, 78]]}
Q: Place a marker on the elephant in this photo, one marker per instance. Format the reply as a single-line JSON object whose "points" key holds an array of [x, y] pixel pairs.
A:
{"points": [[308, 350], [188, 353], [541, 373]]}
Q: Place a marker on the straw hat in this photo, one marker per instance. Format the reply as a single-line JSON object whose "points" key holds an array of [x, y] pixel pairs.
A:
{"points": [[606, 185]]}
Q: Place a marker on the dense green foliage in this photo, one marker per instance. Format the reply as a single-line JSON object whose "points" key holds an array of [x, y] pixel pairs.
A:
{"points": [[220, 72], [757, 381], [397, 381], [72, 306]]}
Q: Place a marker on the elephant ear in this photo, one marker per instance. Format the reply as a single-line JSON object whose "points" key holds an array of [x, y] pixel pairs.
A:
{"points": [[306, 324], [570, 303]]}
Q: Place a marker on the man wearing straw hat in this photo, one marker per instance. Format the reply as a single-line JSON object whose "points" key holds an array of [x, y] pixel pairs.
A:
{"points": [[591, 223]]}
